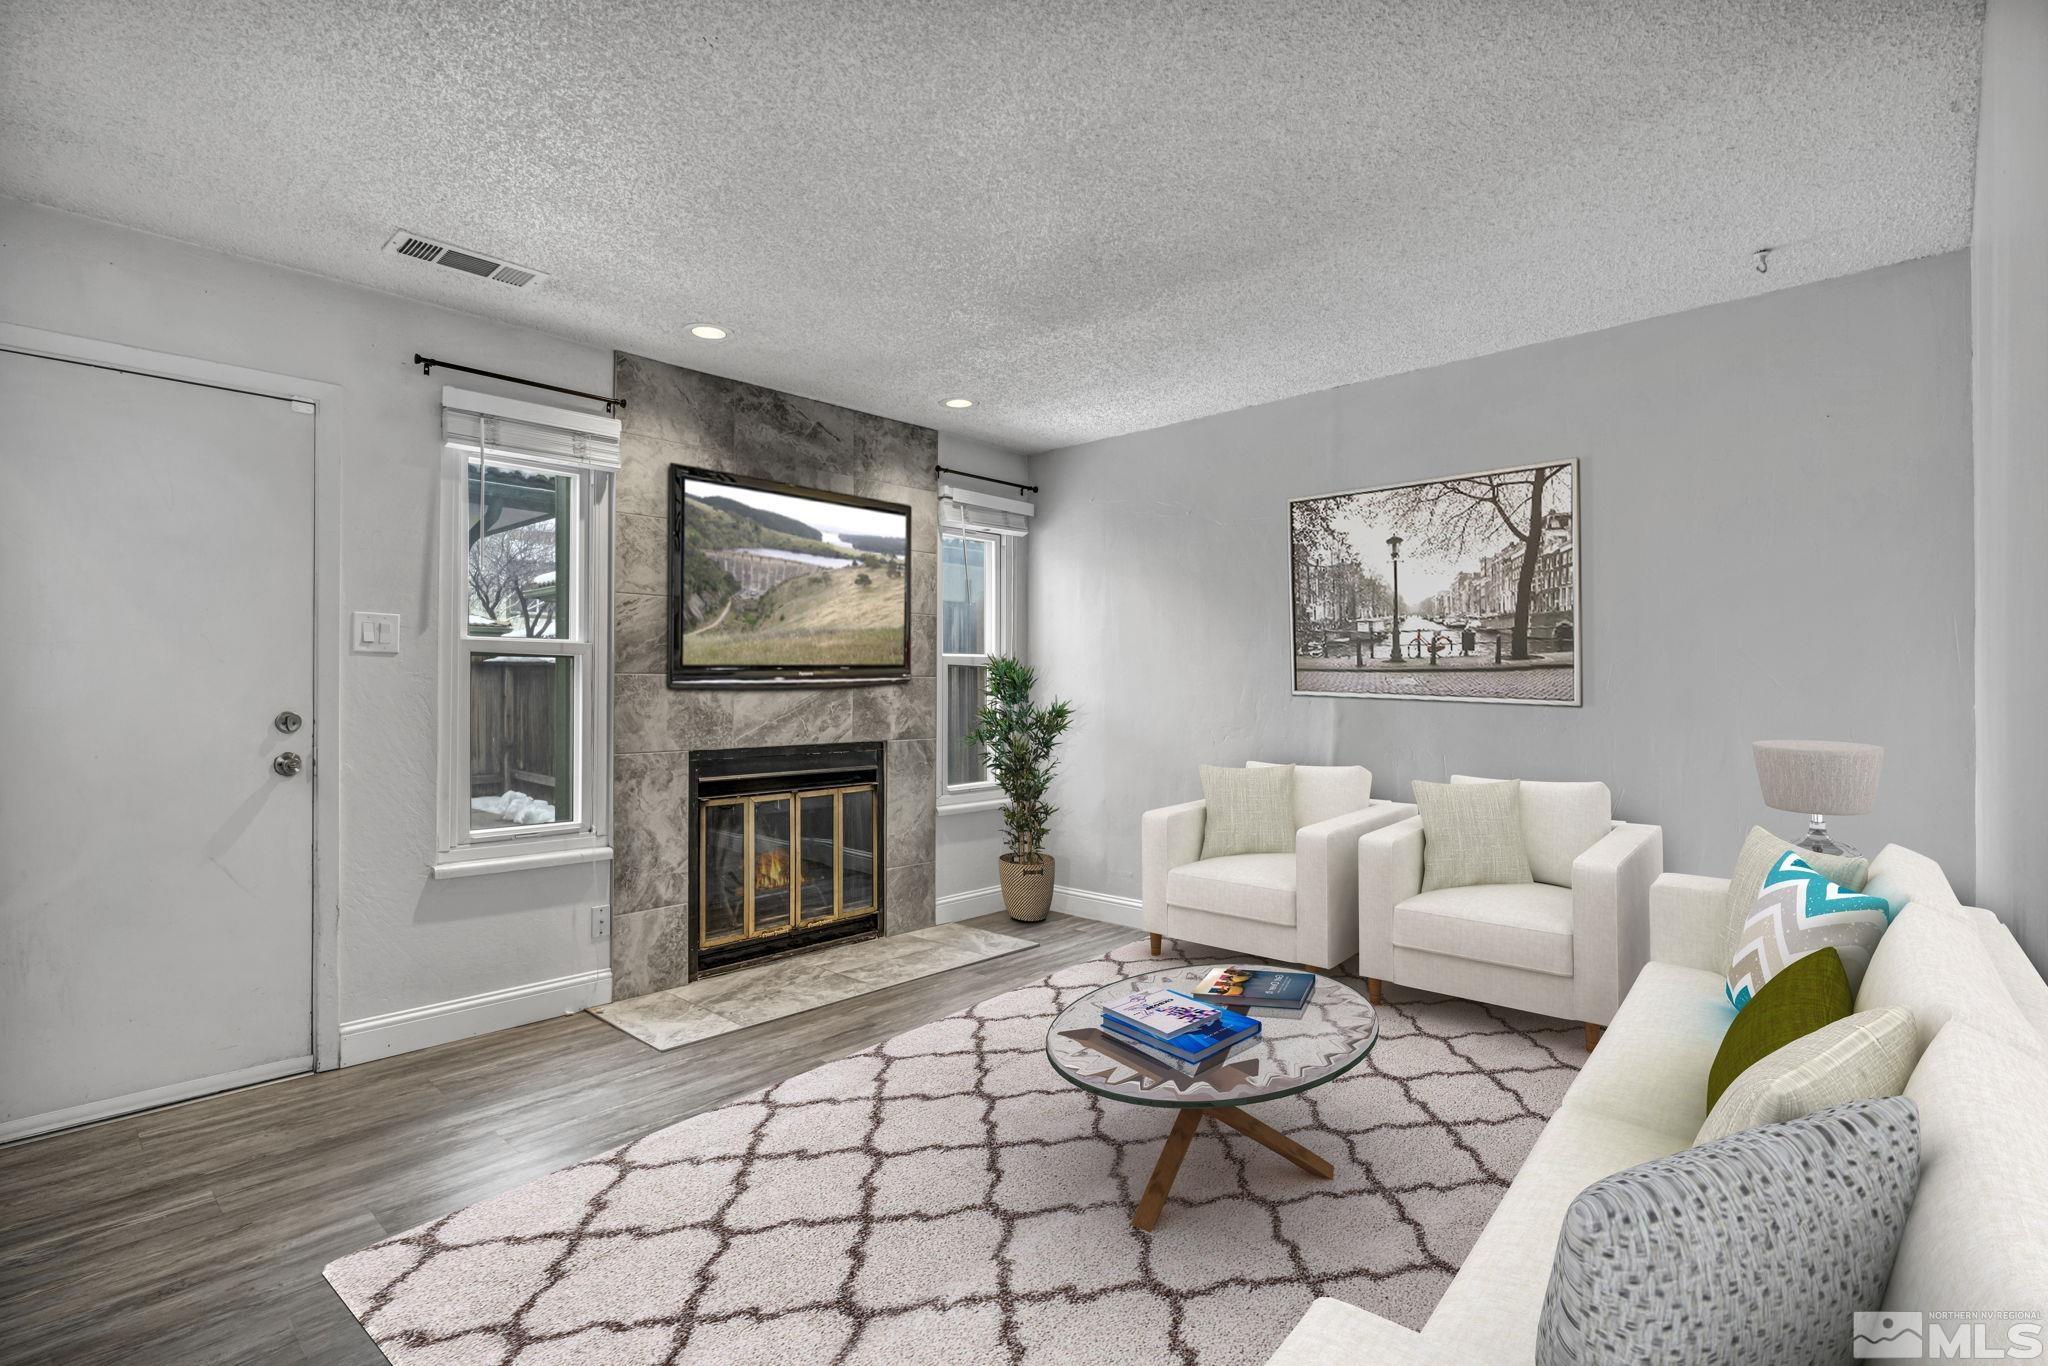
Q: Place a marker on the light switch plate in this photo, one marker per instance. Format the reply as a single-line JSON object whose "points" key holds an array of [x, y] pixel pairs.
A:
{"points": [[374, 633]]}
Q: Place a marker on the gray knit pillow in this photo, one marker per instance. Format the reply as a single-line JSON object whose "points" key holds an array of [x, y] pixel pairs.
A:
{"points": [[1754, 1250]]}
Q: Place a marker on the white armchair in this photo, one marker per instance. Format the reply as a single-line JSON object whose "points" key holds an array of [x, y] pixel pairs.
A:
{"points": [[1567, 944], [1294, 908]]}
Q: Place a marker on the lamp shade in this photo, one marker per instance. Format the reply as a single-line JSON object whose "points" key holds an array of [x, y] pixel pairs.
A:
{"points": [[1819, 777]]}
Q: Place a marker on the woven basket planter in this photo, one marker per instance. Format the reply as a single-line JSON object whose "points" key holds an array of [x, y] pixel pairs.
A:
{"points": [[1027, 887]]}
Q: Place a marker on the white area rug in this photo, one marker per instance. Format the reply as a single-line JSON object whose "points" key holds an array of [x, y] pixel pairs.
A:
{"points": [[946, 1198], [718, 1005]]}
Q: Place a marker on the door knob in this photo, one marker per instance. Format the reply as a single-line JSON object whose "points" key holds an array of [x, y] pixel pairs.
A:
{"points": [[286, 765], [287, 722]]}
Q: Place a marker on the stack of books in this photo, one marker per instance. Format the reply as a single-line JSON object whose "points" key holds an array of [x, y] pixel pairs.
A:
{"points": [[1262, 989], [1175, 1030]]}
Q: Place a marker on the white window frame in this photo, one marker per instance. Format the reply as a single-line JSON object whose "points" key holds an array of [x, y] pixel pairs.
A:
{"points": [[460, 850], [994, 639]]}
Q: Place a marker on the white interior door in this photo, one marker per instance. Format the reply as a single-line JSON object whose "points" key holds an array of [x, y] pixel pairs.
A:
{"points": [[155, 869]]}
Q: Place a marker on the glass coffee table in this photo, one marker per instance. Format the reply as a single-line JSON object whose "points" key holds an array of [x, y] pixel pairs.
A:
{"points": [[1293, 1053]]}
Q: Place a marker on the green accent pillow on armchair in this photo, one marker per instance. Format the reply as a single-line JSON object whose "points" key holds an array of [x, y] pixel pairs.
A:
{"points": [[1471, 834], [1806, 994], [1250, 810]]}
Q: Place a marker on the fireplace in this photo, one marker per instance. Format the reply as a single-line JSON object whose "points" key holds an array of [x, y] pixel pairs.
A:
{"points": [[787, 847]]}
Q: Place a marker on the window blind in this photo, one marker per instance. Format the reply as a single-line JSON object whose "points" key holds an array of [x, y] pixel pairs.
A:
{"points": [[971, 510], [505, 426]]}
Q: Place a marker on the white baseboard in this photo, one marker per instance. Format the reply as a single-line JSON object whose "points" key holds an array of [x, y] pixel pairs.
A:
{"points": [[967, 905], [402, 1031], [1075, 901], [1113, 910], [151, 1099]]}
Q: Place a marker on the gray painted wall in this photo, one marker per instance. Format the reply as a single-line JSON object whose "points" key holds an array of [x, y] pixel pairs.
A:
{"points": [[1775, 531], [407, 941], [2009, 281]]}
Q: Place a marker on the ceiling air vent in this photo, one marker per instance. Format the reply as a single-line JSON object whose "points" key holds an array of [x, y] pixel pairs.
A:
{"points": [[468, 262]]}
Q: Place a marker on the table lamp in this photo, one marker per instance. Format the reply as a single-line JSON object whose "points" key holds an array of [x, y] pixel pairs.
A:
{"points": [[1821, 778]]}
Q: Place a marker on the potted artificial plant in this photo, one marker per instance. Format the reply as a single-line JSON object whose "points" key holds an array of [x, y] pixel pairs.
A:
{"points": [[1019, 737]]}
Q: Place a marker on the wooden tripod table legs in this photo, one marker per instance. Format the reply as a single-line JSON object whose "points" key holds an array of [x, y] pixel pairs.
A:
{"points": [[1280, 1143], [1146, 1216]]}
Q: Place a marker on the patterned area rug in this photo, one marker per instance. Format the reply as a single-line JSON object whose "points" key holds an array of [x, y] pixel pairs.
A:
{"points": [[944, 1197]]}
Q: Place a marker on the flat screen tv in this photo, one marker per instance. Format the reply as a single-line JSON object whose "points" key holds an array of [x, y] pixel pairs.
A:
{"points": [[772, 585]]}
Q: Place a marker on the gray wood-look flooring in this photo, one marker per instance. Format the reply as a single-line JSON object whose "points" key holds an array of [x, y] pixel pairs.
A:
{"points": [[196, 1233]]}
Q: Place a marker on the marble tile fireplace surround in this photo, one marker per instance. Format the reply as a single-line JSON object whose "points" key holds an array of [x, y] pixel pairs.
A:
{"points": [[675, 416]]}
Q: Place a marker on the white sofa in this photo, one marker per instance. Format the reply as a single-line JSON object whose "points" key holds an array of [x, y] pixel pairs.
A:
{"points": [[1642, 1095], [1299, 907], [1566, 944]]}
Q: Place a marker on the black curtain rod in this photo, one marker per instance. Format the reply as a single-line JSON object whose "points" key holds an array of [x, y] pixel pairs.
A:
{"points": [[427, 364], [988, 479]]}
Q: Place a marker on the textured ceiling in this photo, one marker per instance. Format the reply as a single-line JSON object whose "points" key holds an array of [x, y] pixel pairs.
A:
{"points": [[1090, 217]]}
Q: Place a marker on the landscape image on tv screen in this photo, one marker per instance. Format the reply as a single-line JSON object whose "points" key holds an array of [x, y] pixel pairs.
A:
{"points": [[778, 581]]}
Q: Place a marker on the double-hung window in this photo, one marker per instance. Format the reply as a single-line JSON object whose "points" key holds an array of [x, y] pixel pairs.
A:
{"points": [[526, 653], [981, 583]]}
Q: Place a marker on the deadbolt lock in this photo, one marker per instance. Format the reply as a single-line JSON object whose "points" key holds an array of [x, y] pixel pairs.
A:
{"points": [[288, 722]]}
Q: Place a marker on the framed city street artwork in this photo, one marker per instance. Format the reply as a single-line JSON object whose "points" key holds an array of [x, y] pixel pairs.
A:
{"points": [[1453, 590]]}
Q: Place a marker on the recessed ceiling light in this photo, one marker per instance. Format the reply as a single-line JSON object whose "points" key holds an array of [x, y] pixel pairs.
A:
{"points": [[709, 332], [959, 403]]}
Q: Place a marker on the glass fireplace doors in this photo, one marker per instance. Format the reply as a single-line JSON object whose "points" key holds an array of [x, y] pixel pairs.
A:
{"points": [[773, 863]]}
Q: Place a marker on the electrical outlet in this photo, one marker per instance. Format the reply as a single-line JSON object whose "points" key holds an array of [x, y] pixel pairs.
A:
{"points": [[600, 922]]}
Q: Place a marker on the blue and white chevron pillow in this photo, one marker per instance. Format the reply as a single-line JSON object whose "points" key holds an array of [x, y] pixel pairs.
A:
{"points": [[1800, 912]]}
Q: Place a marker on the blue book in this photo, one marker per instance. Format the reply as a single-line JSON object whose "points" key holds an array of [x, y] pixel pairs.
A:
{"points": [[1165, 1058], [1226, 1031]]}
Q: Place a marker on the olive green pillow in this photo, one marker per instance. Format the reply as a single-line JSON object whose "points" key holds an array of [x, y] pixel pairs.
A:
{"points": [[1809, 993]]}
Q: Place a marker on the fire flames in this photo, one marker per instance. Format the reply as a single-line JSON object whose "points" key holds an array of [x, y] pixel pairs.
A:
{"points": [[771, 870]]}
